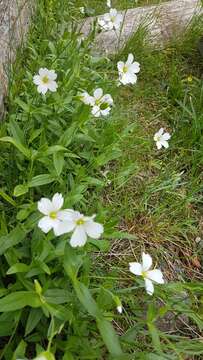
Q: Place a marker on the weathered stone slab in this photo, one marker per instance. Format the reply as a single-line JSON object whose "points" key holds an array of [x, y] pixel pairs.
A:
{"points": [[163, 22], [14, 21]]}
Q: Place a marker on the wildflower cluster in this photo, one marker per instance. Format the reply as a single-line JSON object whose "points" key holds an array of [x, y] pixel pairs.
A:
{"points": [[47, 251], [64, 221], [67, 220]]}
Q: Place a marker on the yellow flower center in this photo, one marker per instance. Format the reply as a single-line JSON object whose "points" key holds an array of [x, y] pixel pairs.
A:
{"points": [[80, 222], [97, 102], [45, 79], [125, 69], [113, 18], [53, 215], [190, 78], [144, 274]]}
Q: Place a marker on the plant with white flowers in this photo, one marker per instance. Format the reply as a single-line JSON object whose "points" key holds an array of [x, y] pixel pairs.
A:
{"points": [[53, 215], [45, 81], [111, 20], [127, 70], [149, 276], [161, 138], [100, 103], [82, 226], [108, 3]]}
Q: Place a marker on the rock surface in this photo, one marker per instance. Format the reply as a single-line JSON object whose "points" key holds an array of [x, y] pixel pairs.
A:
{"points": [[162, 21], [14, 21]]}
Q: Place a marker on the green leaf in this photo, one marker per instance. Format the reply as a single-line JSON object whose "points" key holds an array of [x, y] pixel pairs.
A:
{"points": [[16, 131], [155, 336], [20, 351], [23, 105], [34, 135], [54, 149], [86, 299], [58, 162], [109, 336], [13, 238], [56, 296], [18, 268], [40, 180], [18, 300], [102, 245], [25, 151], [7, 198], [20, 190], [33, 319], [68, 135], [72, 262]]}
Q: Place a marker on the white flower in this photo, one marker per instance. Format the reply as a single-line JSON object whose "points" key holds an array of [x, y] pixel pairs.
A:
{"points": [[119, 309], [128, 70], [111, 21], [82, 226], [86, 98], [53, 214], [149, 276], [161, 139], [108, 3], [82, 9], [101, 104], [45, 81]]}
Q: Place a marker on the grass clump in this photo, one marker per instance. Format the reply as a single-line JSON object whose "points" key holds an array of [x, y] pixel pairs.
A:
{"points": [[62, 302]]}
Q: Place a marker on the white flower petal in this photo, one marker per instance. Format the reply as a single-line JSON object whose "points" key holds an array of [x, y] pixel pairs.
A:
{"points": [[37, 80], [66, 214], [164, 144], [160, 132], [45, 206], [107, 98], [106, 111], [123, 79], [93, 229], [113, 12], [149, 286], [64, 227], [42, 89], [57, 201], [131, 78], [135, 268], [96, 111], [120, 65], [43, 72], [135, 67], [52, 75], [106, 17], [79, 237], [130, 59], [46, 224], [52, 86], [155, 275], [166, 136], [146, 261], [98, 93], [158, 145]]}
